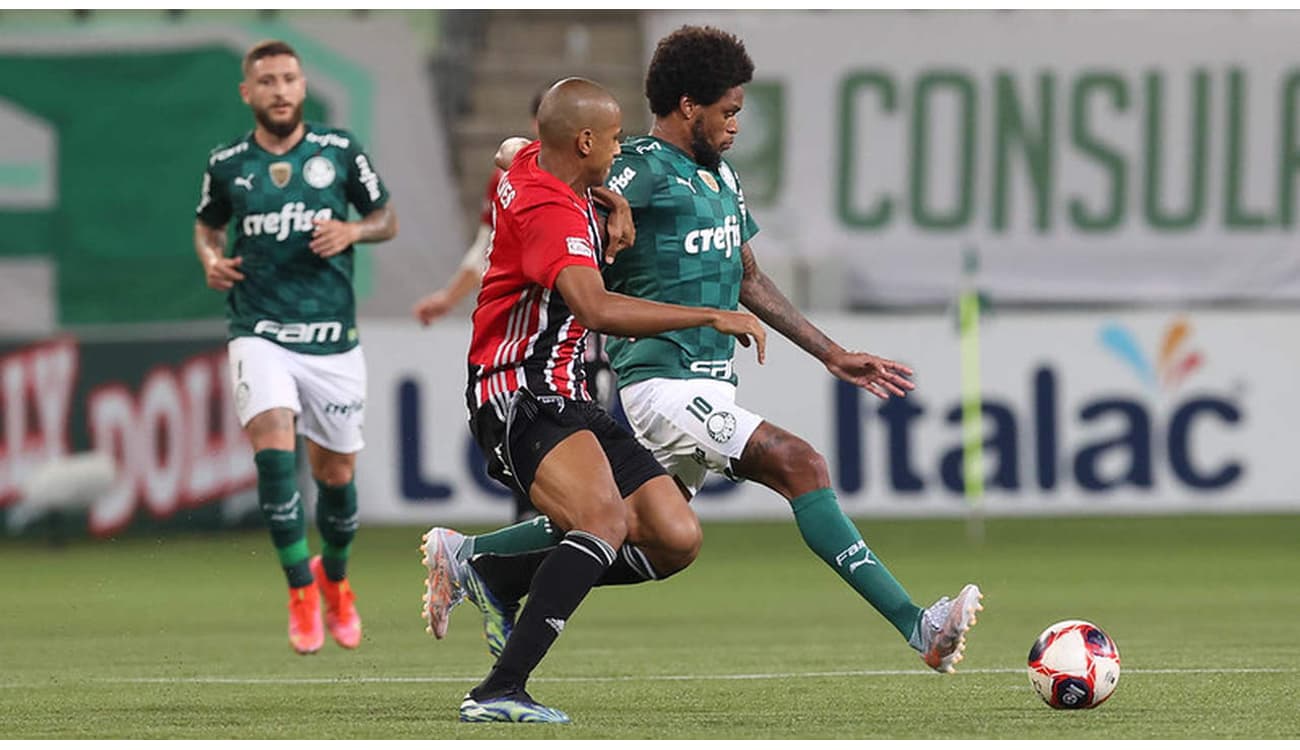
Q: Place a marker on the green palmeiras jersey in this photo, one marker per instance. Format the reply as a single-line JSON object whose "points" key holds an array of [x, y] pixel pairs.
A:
{"points": [[690, 224], [290, 295]]}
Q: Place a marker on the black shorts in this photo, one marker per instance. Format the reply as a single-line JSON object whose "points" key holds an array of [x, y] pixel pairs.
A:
{"points": [[534, 425]]}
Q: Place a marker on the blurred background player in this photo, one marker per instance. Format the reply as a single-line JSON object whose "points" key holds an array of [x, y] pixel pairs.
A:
{"points": [[295, 356], [530, 411], [678, 389]]}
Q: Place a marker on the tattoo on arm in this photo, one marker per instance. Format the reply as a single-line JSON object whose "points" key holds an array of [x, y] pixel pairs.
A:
{"points": [[762, 297]]}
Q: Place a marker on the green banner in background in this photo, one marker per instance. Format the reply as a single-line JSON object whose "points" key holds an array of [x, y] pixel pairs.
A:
{"points": [[133, 131]]}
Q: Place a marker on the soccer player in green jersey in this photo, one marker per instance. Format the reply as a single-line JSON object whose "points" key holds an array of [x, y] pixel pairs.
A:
{"points": [[296, 366], [678, 389]]}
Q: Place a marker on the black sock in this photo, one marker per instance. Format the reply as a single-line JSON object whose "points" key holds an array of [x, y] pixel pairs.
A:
{"points": [[509, 577], [561, 583]]}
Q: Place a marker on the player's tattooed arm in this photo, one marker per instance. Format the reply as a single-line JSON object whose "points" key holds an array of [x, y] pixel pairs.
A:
{"points": [[219, 272], [333, 237], [879, 376]]}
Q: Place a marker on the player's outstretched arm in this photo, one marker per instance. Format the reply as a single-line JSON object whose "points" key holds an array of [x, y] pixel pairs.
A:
{"points": [[333, 236], [879, 376], [599, 309], [219, 272], [467, 278]]}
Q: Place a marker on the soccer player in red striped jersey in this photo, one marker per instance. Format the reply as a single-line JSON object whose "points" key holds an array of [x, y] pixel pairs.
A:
{"points": [[530, 412]]}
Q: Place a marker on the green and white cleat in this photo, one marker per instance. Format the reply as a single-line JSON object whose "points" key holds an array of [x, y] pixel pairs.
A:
{"points": [[943, 627], [443, 587], [498, 616], [516, 707]]}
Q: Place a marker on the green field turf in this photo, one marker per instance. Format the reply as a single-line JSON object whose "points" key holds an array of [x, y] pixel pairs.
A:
{"points": [[184, 638]]}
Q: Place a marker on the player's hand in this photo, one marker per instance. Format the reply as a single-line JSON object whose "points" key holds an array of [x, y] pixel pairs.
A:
{"points": [[744, 327], [620, 231], [505, 155], [432, 306], [223, 273], [881, 377], [333, 237]]}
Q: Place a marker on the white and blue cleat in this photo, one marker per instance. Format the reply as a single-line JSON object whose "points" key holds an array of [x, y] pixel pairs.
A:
{"points": [[517, 707]]}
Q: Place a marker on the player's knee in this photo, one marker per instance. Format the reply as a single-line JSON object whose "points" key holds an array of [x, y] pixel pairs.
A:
{"points": [[605, 518], [679, 542], [334, 475], [802, 468]]}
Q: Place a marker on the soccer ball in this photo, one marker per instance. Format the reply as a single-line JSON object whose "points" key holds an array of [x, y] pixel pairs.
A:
{"points": [[1074, 664]]}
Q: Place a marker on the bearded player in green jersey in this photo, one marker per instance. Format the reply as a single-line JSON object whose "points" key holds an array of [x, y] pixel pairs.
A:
{"points": [[295, 358], [678, 389]]}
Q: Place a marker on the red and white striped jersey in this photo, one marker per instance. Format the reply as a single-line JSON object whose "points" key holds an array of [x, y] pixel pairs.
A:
{"points": [[525, 336]]}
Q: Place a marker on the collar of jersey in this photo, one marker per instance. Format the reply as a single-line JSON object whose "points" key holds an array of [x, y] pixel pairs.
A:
{"points": [[252, 141], [673, 147]]}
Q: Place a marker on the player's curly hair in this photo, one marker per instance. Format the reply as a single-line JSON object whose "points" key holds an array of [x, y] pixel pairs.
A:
{"points": [[696, 61]]}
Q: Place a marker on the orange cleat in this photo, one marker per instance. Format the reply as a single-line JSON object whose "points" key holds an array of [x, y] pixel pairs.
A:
{"points": [[340, 609], [306, 633]]}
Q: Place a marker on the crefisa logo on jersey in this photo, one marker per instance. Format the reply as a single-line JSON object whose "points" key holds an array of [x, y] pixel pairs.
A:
{"points": [[318, 172]]}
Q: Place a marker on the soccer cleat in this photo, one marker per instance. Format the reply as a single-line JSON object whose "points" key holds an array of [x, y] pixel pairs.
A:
{"points": [[943, 628], [516, 706], [498, 617], [306, 632], [341, 616], [443, 587]]}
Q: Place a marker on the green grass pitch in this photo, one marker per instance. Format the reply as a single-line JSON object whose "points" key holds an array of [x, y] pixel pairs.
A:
{"points": [[183, 637]]}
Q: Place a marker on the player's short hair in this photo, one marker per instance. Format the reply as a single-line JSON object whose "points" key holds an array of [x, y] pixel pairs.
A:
{"points": [[268, 48], [696, 61]]}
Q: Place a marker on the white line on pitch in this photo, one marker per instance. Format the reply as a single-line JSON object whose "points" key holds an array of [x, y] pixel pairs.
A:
{"points": [[636, 678]]}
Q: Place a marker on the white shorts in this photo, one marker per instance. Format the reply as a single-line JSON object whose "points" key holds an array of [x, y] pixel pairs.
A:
{"points": [[327, 392], [691, 426]]}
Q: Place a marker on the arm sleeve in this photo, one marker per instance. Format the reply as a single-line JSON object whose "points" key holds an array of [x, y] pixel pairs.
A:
{"points": [[630, 177], [214, 201], [556, 237], [748, 227], [364, 188]]}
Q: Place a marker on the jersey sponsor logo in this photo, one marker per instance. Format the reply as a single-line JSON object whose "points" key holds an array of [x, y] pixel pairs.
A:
{"points": [[648, 147], [367, 177], [579, 246], [707, 178], [318, 172], [280, 171], [725, 238], [245, 182], [334, 409], [292, 217], [324, 332], [505, 194], [718, 368], [226, 153], [721, 426], [328, 139], [619, 182]]}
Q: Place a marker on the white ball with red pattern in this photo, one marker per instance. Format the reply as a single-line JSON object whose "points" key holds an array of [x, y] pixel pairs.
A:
{"points": [[1074, 664]]}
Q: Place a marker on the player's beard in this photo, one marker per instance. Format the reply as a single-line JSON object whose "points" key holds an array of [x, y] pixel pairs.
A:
{"points": [[279, 129], [705, 154]]}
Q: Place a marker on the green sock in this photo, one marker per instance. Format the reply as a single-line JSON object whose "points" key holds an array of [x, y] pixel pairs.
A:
{"points": [[527, 536], [336, 517], [829, 533], [281, 503]]}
